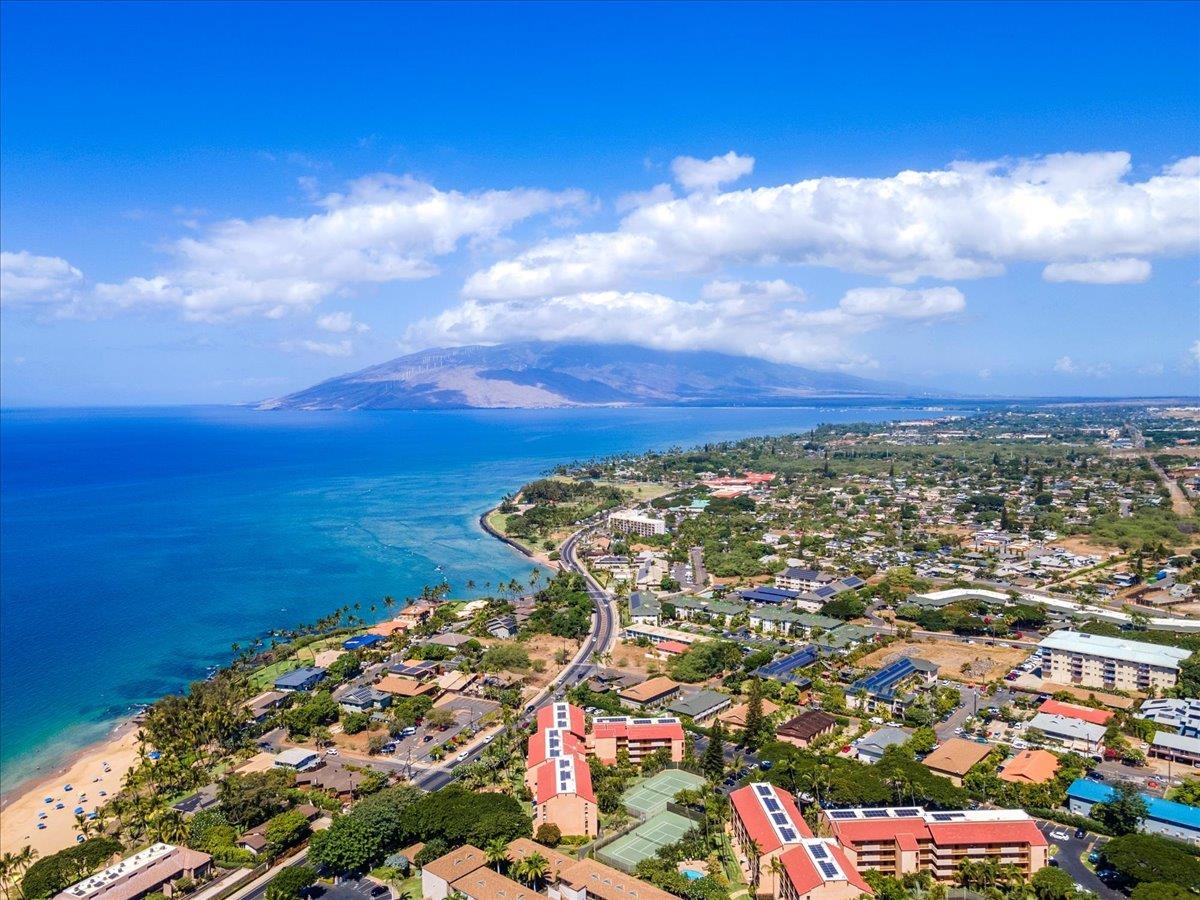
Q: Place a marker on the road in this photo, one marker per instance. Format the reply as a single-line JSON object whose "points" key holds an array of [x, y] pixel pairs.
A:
{"points": [[603, 634]]}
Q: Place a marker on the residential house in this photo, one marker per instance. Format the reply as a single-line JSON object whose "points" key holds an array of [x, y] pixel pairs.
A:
{"points": [[805, 728], [1030, 767], [870, 747], [955, 757], [650, 693], [1071, 733], [303, 679], [701, 705]]}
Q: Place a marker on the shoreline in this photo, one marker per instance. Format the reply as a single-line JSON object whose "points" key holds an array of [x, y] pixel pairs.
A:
{"points": [[84, 771], [21, 803]]}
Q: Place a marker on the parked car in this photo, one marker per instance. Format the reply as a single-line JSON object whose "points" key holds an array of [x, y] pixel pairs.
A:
{"points": [[1080, 833], [462, 756], [1060, 835]]}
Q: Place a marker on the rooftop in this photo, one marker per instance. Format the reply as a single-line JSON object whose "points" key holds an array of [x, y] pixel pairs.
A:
{"points": [[956, 756], [770, 816], [1116, 648]]}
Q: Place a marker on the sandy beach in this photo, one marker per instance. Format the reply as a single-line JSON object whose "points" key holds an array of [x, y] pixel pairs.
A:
{"points": [[85, 773]]}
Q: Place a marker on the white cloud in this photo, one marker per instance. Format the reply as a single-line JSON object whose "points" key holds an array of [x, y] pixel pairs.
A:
{"points": [[724, 320], [383, 229], [707, 175], [1100, 271], [339, 349], [1194, 350], [660, 193], [1065, 364], [38, 281], [965, 221], [341, 323]]}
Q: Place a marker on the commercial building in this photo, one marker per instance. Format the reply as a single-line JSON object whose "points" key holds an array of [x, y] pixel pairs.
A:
{"points": [[1094, 660], [652, 692], [564, 796], [1163, 817], [637, 737], [1176, 747], [902, 840], [150, 870], [766, 822], [1073, 734], [631, 522]]}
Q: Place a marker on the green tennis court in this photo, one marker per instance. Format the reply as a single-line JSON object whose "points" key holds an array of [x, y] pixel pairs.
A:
{"points": [[651, 796], [643, 842]]}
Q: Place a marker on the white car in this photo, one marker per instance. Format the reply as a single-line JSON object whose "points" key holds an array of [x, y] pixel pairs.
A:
{"points": [[489, 738], [462, 756], [1060, 835], [332, 751]]}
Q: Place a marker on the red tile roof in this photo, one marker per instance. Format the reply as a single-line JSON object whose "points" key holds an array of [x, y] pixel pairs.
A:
{"points": [[626, 729], [975, 833], [548, 717], [549, 781], [749, 808], [1075, 711], [805, 877], [538, 751], [875, 831], [671, 647]]}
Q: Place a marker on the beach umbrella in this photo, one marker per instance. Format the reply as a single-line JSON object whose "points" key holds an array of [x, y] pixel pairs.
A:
{"points": [[78, 810]]}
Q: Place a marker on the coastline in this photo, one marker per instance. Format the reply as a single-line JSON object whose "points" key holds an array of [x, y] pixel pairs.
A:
{"points": [[84, 771], [537, 556]]}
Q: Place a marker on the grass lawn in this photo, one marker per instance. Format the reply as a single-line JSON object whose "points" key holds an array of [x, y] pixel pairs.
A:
{"points": [[265, 677]]}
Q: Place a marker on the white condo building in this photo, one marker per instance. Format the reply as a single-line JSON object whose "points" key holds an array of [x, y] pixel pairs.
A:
{"points": [[1094, 660]]}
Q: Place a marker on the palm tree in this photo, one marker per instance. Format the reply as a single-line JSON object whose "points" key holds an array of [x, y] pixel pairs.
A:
{"points": [[497, 853], [535, 868], [776, 868]]}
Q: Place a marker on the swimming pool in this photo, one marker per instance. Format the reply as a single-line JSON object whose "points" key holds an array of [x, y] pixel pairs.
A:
{"points": [[692, 874]]}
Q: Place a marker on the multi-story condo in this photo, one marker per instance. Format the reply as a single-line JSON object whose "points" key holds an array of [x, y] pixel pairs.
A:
{"points": [[1182, 715], [818, 870], [564, 717], [637, 737], [766, 823], [564, 796], [1094, 660], [632, 522], [553, 743], [797, 579], [901, 840]]}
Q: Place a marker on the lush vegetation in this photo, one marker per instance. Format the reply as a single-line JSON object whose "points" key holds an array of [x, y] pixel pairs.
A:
{"points": [[51, 874]]}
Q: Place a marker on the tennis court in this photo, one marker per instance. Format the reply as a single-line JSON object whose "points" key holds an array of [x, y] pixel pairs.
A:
{"points": [[643, 842], [651, 796]]}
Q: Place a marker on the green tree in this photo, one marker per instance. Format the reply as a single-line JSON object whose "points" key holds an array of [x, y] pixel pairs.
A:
{"points": [[713, 762], [1051, 883], [548, 834], [1124, 811], [291, 883], [923, 740], [246, 800], [755, 723], [1160, 890], [348, 845], [286, 830], [1150, 858]]}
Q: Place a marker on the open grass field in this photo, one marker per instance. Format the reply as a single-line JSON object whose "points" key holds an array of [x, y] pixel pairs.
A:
{"points": [[986, 662], [265, 677]]}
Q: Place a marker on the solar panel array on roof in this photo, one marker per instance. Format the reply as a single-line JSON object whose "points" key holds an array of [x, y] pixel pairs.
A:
{"points": [[876, 814], [818, 851], [829, 870], [843, 814], [948, 817], [771, 804], [787, 835], [797, 660], [883, 682], [853, 581], [908, 812]]}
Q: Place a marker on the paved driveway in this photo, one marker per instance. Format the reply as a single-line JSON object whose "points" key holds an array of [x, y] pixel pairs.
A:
{"points": [[1068, 858]]}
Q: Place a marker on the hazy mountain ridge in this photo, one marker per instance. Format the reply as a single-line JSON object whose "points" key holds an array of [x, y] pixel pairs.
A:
{"points": [[542, 374]]}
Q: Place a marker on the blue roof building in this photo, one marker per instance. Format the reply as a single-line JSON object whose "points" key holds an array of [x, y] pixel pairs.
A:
{"points": [[785, 668], [882, 688], [359, 641], [769, 595], [304, 679], [1165, 817]]}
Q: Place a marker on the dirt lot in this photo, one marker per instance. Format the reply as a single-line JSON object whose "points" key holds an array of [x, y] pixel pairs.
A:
{"points": [[950, 657], [1081, 545]]}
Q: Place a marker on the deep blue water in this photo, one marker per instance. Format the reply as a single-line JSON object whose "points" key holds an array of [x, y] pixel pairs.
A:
{"points": [[137, 545]]}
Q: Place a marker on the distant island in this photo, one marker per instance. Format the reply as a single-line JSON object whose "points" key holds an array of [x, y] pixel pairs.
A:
{"points": [[537, 374]]}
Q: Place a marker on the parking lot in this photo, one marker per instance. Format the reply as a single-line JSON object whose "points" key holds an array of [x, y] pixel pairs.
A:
{"points": [[468, 711], [1069, 853], [352, 889]]}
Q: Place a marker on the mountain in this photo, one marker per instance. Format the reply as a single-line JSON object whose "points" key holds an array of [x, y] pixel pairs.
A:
{"points": [[542, 374]]}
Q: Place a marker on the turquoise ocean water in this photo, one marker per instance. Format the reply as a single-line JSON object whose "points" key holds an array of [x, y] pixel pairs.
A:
{"points": [[137, 545]]}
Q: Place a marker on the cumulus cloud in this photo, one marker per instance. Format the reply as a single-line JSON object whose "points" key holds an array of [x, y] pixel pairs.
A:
{"points": [[1065, 364], [724, 319], [1100, 271], [708, 174], [384, 228], [38, 281], [341, 323], [338, 349], [967, 220], [1194, 350], [660, 193]]}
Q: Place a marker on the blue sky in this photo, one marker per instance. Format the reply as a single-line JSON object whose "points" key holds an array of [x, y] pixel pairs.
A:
{"points": [[221, 202]]}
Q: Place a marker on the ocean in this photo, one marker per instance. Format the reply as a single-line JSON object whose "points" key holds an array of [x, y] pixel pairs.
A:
{"points": [[137, 545]]}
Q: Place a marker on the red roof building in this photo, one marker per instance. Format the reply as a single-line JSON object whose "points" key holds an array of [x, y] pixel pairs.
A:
{"points": [[1075, 711], [766, 822], [562, 715], [637, 737], [564, 796], [817, 869]]}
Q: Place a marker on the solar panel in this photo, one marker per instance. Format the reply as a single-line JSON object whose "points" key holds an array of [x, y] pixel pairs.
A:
{"points": [[875, 813], [771, 804], [818, 851], [763, 790], [779, 818], [908, 812], [829, 870], [843, 814], [943, 817], [788, 835]]}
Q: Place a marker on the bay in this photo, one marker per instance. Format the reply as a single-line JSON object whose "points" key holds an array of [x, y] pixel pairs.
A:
{"points": [[136, 545]]}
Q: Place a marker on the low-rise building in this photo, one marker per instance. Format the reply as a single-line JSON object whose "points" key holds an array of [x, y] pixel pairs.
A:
{"points": [[805, 728], [154, 869], [303, 679], [1030, 767], [701, 705], [1164, 817], [1076, 711], [735, 716], [650, 693], [636, 736], [438, 876], [1073, 734], [644, 608], [588, 879], [870, 747], [298, 759], [798, 579], [1176, 747], [1181, 715], [887, 688], [364, 699], [955, 757], [404, 687], [818, 869], [899, 841]]}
